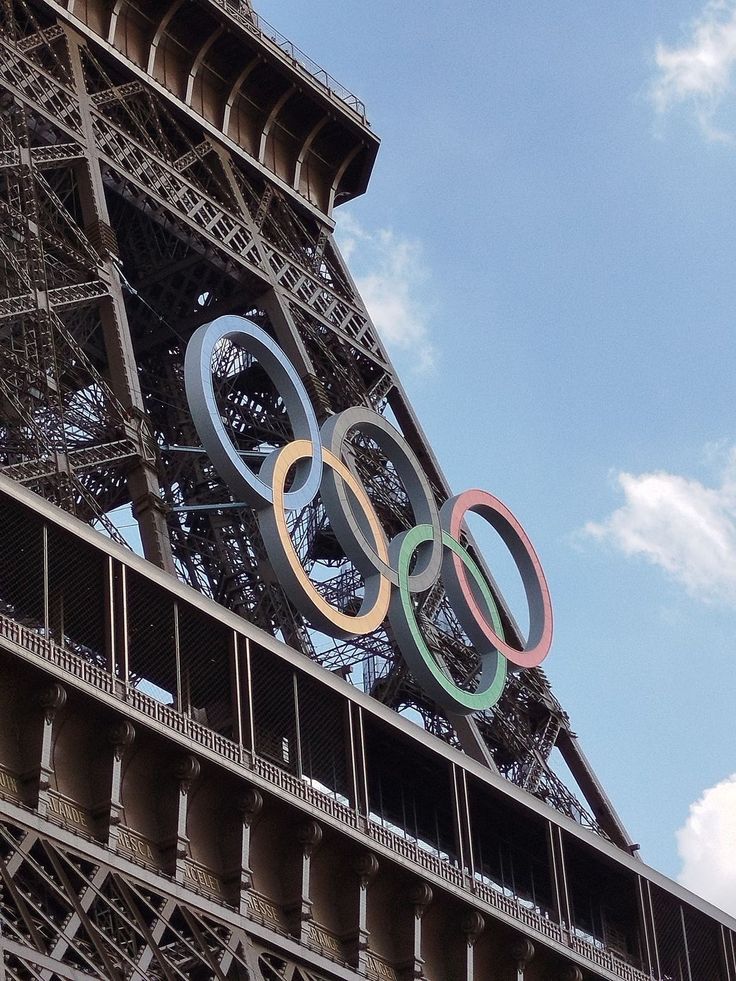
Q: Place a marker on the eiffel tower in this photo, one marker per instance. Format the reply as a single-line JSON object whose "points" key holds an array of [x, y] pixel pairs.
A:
{"points": [[162, 164]]}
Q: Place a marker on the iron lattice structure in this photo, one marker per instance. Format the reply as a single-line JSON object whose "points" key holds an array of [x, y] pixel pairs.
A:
{"points": [[159, 166], [86, 915]]}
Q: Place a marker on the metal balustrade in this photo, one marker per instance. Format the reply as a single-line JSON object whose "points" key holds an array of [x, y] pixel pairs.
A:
{"points": [[269, 35]]}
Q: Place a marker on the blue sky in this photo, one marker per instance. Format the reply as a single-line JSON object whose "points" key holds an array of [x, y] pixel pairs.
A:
{"points": [[548, 245]]}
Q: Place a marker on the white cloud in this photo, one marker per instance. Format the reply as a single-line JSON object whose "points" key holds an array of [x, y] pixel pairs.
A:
{"points": [[391, 277], [707, 846], [682, 526], [699, 74]]}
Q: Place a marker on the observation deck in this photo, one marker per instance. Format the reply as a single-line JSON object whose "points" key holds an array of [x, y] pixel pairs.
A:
{"points": [[250, 87], [196, 754]]}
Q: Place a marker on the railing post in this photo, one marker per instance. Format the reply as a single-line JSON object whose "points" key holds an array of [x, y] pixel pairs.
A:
{"points": [[236, 704], [458, 824], [648, 905], [110, 640], [298, 728], [363, 766], [249, 687], [556, 874], [354, 792], [124, 626], [566, 918], [46, 609], [645, 926], [179, 704], [728, 955], [464, 807]]}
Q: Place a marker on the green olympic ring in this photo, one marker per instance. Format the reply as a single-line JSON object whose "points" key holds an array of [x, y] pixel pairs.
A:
{"points": [[422, 664]]}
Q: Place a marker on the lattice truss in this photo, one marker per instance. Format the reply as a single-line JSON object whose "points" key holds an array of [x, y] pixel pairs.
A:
{"points": [[66, 916], [123, 226]]}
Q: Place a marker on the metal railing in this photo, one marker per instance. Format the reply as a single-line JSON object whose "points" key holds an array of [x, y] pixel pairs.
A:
{"points": [[241, 11], [608, 960]]}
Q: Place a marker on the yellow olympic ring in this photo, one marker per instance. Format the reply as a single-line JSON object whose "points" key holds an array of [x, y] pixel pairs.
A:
{"points": [[286, 563]]}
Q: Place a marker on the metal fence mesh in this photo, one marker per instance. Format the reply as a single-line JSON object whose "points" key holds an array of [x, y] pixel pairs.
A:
{"points": [[408, 793], [21, 565], [605, 905], [688, 943], [670, 937], [274, 711], [323, 732], [703, 946], [77, 578], [668, 924], [510, 850], [151, 644], [205, 648]]}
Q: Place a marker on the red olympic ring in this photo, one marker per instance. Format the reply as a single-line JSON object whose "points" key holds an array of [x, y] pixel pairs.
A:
{"points": [[463, 597]]}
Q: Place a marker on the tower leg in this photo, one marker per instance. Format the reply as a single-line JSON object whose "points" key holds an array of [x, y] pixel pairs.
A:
{"points": [[142, 481]]}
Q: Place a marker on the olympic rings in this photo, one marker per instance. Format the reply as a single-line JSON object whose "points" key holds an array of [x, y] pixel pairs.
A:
{"points": [[462, 596], [349, 531], [413, 561], [201, 397], [287, 566], [422, 664]]}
